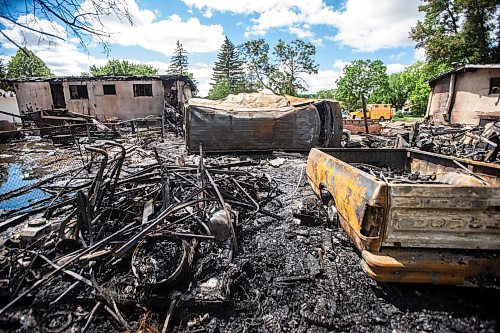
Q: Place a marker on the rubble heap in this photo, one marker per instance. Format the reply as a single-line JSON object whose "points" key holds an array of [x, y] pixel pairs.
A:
{"points": [[129, 236]]}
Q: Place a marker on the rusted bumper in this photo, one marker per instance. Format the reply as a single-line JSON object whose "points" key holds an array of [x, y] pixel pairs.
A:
{"points": [[430, 266]]}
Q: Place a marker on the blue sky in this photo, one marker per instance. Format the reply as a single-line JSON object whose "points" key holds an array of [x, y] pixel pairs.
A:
{"points": [[342, 30]]}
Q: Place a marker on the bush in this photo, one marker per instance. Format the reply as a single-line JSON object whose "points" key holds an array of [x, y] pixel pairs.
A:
{"points": [[399, 114]]}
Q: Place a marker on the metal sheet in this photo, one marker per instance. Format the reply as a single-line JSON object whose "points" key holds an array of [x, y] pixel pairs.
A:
{"points": [[352, 191], [443, 216], [427, 266], [221, 131]]}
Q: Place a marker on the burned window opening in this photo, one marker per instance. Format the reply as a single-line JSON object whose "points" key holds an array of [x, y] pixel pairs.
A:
{"points": [[495, 85], [58, 101], [143, 90], [78, 92], [109, 89]]}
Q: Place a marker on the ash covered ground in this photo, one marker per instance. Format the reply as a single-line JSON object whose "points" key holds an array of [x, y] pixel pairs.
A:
{"points": [[287, 275]]}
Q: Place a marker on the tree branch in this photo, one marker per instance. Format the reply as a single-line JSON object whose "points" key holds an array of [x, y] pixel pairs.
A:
{"points": [[29, 28]]}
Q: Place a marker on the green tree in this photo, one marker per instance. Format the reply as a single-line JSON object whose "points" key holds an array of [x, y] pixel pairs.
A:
{"points": [[326, 94], [397, 90], [3, 74], [228, 66], [456, 32], [122, 67], [178, 61], [293, 60], [362, 77], [255, 53], [26, 64], [417, 76], [411, 86], [282, 74], [222, 88]]}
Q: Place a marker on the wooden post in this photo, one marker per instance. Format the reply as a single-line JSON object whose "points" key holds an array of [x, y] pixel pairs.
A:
{"points": [[363, 102], [163, 123]]}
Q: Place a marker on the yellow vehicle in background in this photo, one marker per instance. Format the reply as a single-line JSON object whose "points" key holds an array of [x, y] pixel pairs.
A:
{"points": [[374, 111]]}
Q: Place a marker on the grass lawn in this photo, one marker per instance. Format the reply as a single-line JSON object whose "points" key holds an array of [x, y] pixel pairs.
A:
{"points": [[408, 118]]}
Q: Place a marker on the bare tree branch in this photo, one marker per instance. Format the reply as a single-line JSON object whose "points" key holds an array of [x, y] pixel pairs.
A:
{"points": [[13, 42], [82, 23], [29, 28]]}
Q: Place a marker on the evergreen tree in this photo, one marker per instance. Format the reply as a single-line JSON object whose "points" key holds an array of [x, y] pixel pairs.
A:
{"points": [[229, 67], [26, 64], [179, 61]]}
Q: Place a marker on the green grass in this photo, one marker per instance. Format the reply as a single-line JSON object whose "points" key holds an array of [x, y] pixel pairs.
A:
{"points": [[408, 118]]}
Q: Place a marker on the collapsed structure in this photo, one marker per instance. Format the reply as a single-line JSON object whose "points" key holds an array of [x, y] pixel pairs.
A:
{"points": [[46, 100], [467, 95]]}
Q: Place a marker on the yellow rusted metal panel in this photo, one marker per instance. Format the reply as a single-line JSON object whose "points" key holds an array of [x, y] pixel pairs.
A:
{"points": [[428, 266]]}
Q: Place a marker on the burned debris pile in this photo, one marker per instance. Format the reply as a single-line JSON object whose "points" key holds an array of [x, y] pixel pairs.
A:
{"points": [[125, 233], [392, 175], [479, 143]]}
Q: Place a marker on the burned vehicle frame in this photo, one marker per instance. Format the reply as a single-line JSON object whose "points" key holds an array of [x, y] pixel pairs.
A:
{"points": [[439, 225]]}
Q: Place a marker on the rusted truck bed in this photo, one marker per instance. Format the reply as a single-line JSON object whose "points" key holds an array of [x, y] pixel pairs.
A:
{"points": [[439, 233], [357, 126]]}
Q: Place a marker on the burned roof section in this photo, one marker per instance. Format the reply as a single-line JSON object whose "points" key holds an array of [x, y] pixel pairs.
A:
{"points": [[165, 78], [465, 68]]}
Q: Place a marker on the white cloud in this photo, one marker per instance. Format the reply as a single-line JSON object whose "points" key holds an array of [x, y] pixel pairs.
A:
{"points": [[397, 56], [395, 68], [208, 14], [202, 73], [316, 41], [26, 37], [339, 64], [243, 6], [66, 60], [161, 36], [364, 25], [161, 66], [147, 31], [419, 54], [273, 18], [367, 25], [157, 35], [300, 33], [325, 79]]}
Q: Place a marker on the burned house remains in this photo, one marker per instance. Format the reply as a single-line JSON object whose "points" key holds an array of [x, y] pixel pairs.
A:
{"points": [[466, 95], [105, 97]]}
